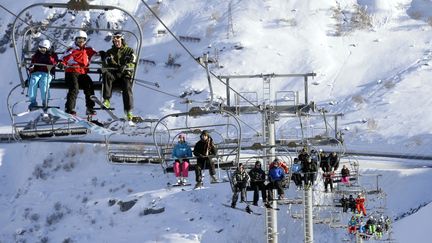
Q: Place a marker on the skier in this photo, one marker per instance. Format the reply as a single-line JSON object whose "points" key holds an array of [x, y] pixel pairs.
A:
{"points": [[204, 150], [314, 156], [240, 180], [333, 159], [371, 225], [352, 203], [345, 203], [387, 223], [284, 166], [296, 169], [328, 180], [41, 75], [119, 63], [303, 155], [276, 176], [310, 170], [345, 175], [352, 225], [183, 152], [324, 162], [257, 177], [77, 60], [360, 204]]}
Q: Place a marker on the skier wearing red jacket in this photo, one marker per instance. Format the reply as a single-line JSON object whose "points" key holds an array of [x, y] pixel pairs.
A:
{"points": [[360, 204], [77, 60]]}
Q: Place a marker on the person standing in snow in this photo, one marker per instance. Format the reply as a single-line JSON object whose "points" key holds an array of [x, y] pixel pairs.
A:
{"points": [[183, 152], [257, 176], [77, 60], [204, 150], [119, 63], [41, 74], [240, 180]]}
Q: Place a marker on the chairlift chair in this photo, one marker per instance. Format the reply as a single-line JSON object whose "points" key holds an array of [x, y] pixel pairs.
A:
{"points": [[230, 128], [26, 35]]}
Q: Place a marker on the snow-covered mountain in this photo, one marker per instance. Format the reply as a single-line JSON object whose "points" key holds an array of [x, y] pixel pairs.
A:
{"points": [[372, 59]]}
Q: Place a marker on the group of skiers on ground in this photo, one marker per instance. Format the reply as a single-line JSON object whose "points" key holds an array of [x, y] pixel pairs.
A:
{"points": [[117, 70], [372, 226]]}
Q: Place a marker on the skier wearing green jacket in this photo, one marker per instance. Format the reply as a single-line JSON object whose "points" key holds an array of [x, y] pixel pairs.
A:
{"points": [[119, 64]]}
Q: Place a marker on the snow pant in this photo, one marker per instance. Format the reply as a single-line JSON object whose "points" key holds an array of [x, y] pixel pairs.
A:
{"points": [[203, 163], [352, 229], [256, 187], [74, 81], [309, 178], [353, 207], [181, 169], [237, 190], [371, 228], [110, 80], [345, 180], [344, 207], [275, 185], [41, 80], [297, 178], [361, 208], [328, 182]]}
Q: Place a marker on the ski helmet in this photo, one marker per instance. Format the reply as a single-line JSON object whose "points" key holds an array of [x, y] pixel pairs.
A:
{"points": [[45, 44], [81, 34]]}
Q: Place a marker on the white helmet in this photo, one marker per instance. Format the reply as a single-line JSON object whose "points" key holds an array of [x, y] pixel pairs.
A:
{"points": [[45, 43], [81, 34]]}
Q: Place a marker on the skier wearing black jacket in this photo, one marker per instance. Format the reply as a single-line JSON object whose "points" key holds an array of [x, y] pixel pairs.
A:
{"points": [[334, 161], [204, 150], [257, 176], [240, 180]]}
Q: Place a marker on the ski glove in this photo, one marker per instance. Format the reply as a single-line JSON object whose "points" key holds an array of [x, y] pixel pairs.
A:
{"points": [[102, 54], [60, 65]]}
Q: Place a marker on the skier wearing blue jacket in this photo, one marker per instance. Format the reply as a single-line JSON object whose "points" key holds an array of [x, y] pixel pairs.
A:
{"points": [[296, 176], [276, 176], [183, 152]]}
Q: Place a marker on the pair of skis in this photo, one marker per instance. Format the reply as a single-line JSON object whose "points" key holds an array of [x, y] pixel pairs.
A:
{"points": [[114, 117], [246, 210]]}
